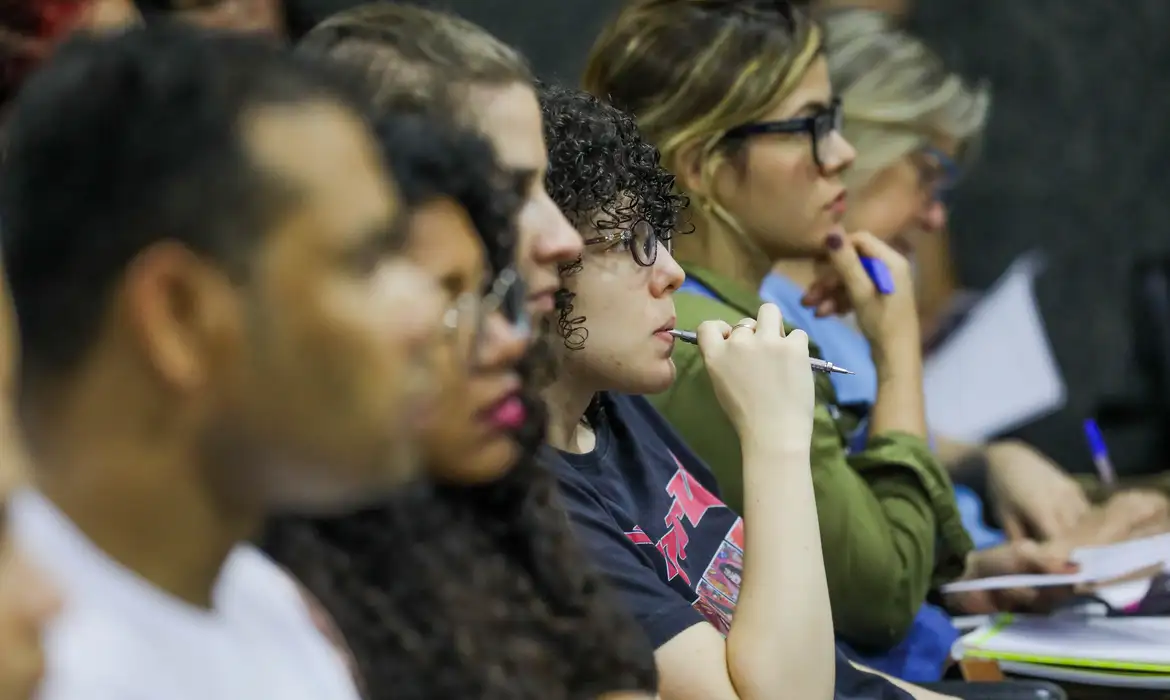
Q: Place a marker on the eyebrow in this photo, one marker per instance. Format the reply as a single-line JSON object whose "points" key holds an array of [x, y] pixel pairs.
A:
{"points": [[815, 105]]}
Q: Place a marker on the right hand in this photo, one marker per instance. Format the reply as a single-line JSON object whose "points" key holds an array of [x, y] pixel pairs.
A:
{"points": [[761, 377], [882, 318]]}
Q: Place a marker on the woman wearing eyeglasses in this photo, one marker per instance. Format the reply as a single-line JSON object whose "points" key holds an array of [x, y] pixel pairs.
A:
{"points": [[738, 98]]}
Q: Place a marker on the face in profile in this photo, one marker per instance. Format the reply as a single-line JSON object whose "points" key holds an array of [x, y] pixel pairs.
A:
{"points": [[509, 117], [784, 192], [904, 200], [27, 599], [479, 409], [258, 16], [626, 307], [324, 355]]}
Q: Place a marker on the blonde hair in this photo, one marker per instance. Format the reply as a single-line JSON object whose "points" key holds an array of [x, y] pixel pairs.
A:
{"points": [[691, 70], [896, 93], [414, 57]]}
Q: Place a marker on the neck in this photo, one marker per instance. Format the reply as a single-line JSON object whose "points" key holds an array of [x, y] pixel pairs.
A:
{"points": [[727, 253], [803, 272], [567, 401], [139, 492]]}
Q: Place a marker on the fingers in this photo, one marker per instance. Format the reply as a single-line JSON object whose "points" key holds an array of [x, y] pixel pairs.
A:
{"points": [[769, 321], [1014, 528], [710, 333], [847, 264]]}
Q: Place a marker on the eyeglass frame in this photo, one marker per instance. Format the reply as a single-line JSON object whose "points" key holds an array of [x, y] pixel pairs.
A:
{"points": [[818, 126], [951, 172], [482, 306], [627, 235]]}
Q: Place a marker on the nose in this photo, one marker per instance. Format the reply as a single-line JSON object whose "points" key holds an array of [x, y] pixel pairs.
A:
{"points": [[547, 237], [840, 154], [933, 218], [667, 275], [502, 345]]}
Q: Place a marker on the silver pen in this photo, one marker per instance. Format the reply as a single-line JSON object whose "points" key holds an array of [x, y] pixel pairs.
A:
{"points": [[817, 365]]}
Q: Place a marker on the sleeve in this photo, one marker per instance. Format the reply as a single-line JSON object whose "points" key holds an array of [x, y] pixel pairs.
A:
{"points": [[889, 524], [659, 609]]}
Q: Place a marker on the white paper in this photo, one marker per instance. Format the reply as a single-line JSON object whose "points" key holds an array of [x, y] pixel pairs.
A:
{"points": [[1097, 564], [1077, 639], [997, 370]]}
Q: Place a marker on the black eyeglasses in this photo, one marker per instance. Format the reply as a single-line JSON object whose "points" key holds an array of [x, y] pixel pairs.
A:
{"points": [[641, 239], [940, 172], [466, 318], [820, 127]]}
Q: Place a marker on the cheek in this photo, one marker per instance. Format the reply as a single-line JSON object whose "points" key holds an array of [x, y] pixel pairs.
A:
{"points": [[885, 211]]}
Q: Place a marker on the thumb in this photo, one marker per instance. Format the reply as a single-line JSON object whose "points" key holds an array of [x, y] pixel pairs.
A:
{"points": [[1013, 527], [846, 262]]}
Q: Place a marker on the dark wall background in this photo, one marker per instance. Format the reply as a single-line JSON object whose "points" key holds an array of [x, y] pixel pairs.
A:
{"points": [[1074, 163]]}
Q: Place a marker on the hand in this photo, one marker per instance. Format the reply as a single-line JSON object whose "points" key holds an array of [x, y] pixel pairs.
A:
{"points": [[1032, 496], [761, 378], [1125, 516], [882, 318], [1022, 557]]}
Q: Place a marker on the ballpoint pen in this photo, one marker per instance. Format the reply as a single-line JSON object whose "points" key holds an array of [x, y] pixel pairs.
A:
{"points": [[817, 365], [1100, 454]]}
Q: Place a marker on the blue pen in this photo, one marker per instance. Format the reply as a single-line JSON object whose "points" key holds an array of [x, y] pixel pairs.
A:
{"points": [[1100, 453], [879, 272]]}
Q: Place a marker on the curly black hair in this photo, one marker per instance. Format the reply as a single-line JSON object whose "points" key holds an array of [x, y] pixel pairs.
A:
{"points": [[467, 591], [602, 173]]}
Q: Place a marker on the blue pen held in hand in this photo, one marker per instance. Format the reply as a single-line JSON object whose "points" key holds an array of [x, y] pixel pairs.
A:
{"points": [[1100, 453], [879, 272]]}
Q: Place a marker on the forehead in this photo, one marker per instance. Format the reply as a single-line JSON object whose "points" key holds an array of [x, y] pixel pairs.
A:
{"points": [[509, 117], [329, 156], [814, 88]]}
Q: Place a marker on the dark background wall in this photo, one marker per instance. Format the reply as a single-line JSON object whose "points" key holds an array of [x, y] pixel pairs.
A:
{"points": [[1075, 163]]}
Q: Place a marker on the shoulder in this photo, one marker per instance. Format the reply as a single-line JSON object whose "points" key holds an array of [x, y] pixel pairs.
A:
{"points": [[693, 309], [91, 652]]}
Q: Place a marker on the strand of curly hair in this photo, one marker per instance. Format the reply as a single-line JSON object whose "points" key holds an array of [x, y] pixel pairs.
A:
{"points": [[468, 592]]}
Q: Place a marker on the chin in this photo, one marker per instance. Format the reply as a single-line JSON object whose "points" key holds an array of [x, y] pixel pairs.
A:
{"points": [[654, 380], [478, 465]]}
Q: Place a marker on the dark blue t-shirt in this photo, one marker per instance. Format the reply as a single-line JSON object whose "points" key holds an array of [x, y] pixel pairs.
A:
{"points": [[648, 513]]}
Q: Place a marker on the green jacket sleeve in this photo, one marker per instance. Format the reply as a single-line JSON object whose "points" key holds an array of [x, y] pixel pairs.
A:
{"points": [[889, 526]]}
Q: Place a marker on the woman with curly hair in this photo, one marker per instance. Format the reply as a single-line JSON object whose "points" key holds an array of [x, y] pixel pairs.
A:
{"points": [[735, 607], [472, 587]]}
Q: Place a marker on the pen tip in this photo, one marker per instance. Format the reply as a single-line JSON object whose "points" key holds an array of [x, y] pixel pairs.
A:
{"points": [[844, 371]]}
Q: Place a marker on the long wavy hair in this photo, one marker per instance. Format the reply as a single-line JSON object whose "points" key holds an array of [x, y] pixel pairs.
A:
{"points": [[467, 591]]}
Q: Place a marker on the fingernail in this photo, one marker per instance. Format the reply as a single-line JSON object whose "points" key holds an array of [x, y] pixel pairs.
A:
{"points": [[834, 241]]}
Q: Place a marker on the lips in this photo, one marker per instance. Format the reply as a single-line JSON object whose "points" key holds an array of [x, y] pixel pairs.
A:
{"points": [[668, 326], [838, 202]]}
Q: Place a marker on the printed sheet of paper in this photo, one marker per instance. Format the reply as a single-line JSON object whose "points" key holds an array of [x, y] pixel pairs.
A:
{"points": [[997, 370]]}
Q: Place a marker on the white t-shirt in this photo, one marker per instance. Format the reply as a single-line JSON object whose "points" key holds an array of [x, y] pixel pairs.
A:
{"points": [[120, 638]]}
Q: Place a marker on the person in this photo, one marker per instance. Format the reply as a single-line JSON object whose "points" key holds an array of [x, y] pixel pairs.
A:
{"points": [[213, 327], [28, 599], [737, 97], [645, 506], [425, 58], [473, 588], [492, 508], [912, 123], [263, 17]]}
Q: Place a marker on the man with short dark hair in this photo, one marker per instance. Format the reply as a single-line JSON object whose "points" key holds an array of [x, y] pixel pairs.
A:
{"points": [[216, 325]]}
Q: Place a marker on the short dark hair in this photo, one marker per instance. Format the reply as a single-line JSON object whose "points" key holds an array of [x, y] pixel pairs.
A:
{"points": [[123, 141], [434, 158], [601, 172]]}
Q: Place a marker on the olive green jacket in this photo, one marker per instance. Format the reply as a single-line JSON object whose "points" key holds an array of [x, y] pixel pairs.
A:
{"points": [[890, 529]]}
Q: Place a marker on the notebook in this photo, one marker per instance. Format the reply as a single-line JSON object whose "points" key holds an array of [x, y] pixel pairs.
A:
{"points": [[1118, 652]]}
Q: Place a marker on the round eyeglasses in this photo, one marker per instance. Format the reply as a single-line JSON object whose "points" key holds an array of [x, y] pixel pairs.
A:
{"points": [[640, 238], [466, 318], [820, 128]]}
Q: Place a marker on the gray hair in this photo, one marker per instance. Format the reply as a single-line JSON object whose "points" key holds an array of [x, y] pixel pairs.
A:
{"points": [[896, 93]]}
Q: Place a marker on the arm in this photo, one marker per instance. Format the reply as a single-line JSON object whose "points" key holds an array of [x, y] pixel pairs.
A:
{"points": [[914, 691], [694, 660], [880, 511]]}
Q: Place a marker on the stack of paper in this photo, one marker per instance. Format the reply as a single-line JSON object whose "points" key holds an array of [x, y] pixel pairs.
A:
{"points": [[1097, 565], [1117, 652]]}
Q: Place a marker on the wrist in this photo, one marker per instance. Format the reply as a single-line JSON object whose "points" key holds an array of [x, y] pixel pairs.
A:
{"points": [[773, 446]]}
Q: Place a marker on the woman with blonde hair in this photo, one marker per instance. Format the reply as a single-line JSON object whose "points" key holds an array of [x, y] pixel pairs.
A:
{"points": [[737, 96]]}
